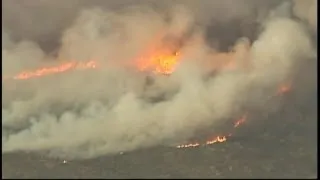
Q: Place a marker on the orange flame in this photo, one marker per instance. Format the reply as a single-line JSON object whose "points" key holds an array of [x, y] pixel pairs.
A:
{"points": [[218, 139], [160, 63], [188, 145], [240, 121], [53, 70], [284, 88]]}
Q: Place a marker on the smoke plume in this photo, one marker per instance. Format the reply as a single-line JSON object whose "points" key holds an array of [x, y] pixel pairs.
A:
{"points": [[89, 113]]}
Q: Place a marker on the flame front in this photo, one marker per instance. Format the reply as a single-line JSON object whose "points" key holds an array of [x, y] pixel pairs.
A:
{"points": [[53, 70], [159, 62], [216, 139], [162, 61]]}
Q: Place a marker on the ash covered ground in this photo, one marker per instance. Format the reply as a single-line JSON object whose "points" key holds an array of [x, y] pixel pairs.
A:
{"points": [[278, 139]]}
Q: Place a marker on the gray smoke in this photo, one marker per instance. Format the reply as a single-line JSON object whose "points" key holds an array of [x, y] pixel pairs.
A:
{"points": [[307, 11], [85, 114]]}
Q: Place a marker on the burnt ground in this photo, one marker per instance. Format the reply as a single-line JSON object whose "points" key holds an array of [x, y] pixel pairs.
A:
{"points": [[273, 145]]}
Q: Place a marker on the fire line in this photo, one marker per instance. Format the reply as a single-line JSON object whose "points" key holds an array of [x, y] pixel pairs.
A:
{"points": [[159, 63]]}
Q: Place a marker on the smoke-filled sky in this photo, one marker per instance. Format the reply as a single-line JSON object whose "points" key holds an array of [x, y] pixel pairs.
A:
{"points": [[89, 113]]}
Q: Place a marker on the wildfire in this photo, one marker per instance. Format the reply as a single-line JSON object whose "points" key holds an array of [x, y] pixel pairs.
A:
{"points": [[159, 62], [240, 121], [216, 139], [53, 70], [188, 145], [283, 89]]}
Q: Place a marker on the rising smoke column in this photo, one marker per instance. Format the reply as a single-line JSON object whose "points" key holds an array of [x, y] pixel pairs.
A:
{"points": [[88, 114]]}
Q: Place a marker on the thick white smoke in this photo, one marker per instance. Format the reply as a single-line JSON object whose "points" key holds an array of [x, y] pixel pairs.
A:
{"points": [[84, 114]]}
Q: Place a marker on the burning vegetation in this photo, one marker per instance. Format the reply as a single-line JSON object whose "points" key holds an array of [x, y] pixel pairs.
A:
{"points": [[161, 61], [104, 105]]}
